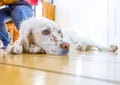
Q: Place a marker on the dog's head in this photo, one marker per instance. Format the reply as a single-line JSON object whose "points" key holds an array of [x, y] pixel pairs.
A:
{"points": [[47, 34]]}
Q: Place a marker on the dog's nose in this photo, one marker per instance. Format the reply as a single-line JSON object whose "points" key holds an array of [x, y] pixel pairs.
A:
{"points": [[65, 46]]}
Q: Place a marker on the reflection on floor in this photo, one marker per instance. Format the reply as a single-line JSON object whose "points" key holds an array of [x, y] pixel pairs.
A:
{"points": [[79, 68]]}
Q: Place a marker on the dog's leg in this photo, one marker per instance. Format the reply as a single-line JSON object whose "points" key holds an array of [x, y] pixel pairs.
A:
{"points": [[36, 49], [93, 47], [88, 45], [111, 48]]}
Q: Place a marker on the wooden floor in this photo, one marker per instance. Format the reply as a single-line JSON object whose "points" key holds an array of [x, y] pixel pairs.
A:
{"points": [[79, 68]]}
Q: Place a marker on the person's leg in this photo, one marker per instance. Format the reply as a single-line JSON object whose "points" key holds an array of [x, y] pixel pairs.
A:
{"points": [[21, 13], [4, 36]]}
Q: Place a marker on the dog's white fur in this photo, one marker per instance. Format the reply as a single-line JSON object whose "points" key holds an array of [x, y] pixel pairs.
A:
{"points": [[45, 36]]}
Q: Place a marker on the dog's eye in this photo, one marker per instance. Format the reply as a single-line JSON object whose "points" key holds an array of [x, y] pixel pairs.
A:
{"points": [[46, 32]]}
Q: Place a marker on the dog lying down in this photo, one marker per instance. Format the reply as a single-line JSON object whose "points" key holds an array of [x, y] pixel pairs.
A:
{"points": [[45, 36]]}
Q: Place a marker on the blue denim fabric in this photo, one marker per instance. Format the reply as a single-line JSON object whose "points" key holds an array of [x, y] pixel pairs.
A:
{"points": [[17, 14]]}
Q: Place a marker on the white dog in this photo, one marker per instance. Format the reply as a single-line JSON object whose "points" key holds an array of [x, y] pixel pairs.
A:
{"points": [[45, 36]]}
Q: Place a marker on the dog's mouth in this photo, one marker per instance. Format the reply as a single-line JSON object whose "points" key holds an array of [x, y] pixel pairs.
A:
{"points": [[64, 52], [59, 52]]}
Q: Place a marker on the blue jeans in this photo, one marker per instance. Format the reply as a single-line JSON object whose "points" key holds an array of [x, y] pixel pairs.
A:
{"points": [[17, 14]]}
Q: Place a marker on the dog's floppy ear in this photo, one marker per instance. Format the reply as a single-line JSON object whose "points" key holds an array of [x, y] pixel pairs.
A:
{"points": [[24, 34], [26, 40]]}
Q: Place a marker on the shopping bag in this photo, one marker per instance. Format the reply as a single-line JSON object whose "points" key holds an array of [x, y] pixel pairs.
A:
{"points": [[6, 2]]}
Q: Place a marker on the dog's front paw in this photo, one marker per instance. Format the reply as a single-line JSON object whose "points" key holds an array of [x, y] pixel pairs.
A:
{"points": [[15, 49], [18, 49], [36, 49], [10, 48], [113, 48]]}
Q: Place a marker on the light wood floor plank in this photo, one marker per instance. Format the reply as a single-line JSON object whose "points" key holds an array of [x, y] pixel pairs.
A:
{"points": [[81, 67]]}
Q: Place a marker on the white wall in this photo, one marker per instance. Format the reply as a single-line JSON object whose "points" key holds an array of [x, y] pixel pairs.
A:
{"points": [[38, 13], [114, 21], [88, 17]]}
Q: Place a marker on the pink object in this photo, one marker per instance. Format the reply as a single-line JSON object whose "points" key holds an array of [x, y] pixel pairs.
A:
{"points": [[32, 2]]}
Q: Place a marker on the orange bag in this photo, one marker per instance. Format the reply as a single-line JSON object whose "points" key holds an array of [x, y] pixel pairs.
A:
{"points": [[6, 2]]}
